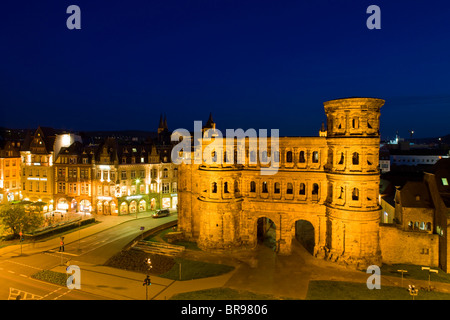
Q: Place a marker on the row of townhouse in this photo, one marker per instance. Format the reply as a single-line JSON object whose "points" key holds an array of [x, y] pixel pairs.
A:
{"points": [[56, 171]]}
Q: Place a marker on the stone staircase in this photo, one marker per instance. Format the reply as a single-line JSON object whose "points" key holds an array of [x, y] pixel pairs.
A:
{"points": [[161, 248]]}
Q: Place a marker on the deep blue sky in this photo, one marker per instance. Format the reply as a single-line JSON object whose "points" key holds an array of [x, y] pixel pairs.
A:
{"points": [[252, 63]]}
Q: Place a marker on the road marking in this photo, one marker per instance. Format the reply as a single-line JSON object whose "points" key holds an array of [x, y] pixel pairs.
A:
{"points": [[54, 291], [61, 295], [22, 264], [16, 294]]}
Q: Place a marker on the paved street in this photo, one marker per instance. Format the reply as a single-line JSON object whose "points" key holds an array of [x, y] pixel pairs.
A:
{"points": [[88, 247]]}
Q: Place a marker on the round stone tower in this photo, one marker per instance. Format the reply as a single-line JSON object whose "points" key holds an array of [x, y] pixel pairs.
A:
{"points": [[353, 212]]}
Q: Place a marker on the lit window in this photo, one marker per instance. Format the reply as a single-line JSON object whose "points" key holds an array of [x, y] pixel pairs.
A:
{"points": [[444, 181]]}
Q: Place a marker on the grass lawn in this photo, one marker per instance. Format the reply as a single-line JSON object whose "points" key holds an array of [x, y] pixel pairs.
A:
{"points": [[222, 294], [339, 290], [191, 269]]}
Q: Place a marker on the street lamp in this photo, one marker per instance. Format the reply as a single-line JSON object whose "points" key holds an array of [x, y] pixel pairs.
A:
{"points": [[402, 271], [429, 275]]}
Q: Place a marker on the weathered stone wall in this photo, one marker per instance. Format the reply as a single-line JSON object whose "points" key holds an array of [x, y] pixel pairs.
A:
{"points": [[409, 247], [330, 181]]}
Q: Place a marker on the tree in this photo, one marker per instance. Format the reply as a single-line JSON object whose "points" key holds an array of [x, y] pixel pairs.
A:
{"points": [[16, 219]]}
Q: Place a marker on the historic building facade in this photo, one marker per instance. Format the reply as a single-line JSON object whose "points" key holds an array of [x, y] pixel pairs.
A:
{"points": [[37, 175], [328, 184], [10, 187]]}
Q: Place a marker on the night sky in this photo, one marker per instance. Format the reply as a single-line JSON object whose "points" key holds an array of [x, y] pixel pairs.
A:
{"points": [[253, 63]]}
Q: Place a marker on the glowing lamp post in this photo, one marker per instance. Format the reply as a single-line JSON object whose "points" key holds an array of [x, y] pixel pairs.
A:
{"points": [[402, 271], [429, 275]]}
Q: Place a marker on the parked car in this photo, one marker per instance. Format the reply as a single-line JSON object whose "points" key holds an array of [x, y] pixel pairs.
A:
{"points": [[161, 213]]}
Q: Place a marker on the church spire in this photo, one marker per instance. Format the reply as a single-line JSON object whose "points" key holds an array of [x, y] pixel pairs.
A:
{"points": [[161, 124]]}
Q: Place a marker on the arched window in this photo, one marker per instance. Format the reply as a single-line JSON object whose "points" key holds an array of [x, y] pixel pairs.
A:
{"points": [[253, 157], [302, 189], [341, 160], [214, 187], [276, 188], [252, 186], [289, 156], [355, 123], [264, 187], [264, 157], [315, 189], [355, 158], [301, 157], [225, 187], [276, 156], [289, 188], [355, 194], [341, 193], [315, 157]]}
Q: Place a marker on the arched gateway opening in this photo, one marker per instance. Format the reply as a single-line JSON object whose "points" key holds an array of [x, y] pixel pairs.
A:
{"points": [[304, 234], [266, 233]]}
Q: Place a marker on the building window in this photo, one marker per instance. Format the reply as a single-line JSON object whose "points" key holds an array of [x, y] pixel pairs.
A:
{"points": [[355, 194], [225, 187], [341, 160], [290, 188], [341, 194], [252, 186], [253, 157], [264, 187], [302, 189], [165, 187], [276, 156], [289, 156], [165, 173], [315, 189], [276, 188], [301, 157], [315, 157], [355, 158], [214, 187], [133, 174], [264, 157], [123, 175], [444, 181]]}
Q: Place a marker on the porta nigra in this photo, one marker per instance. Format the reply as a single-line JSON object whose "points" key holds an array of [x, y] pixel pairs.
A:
{"points": [[325, 191]]}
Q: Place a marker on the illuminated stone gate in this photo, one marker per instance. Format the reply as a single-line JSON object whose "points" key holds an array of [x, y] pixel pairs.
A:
{"points": [[331, 181]]}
